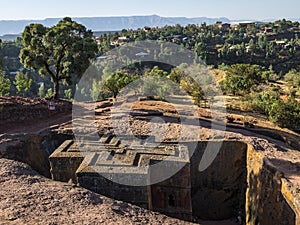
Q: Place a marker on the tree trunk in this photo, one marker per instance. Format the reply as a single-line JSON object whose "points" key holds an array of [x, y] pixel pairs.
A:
{"points": [[56, 90]]}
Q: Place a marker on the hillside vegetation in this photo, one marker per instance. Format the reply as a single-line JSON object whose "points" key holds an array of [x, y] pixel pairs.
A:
{"points": [[256, 65]]}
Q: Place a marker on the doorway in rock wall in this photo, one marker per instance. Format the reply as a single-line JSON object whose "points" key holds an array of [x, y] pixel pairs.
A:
{"points": [[172, 197]]}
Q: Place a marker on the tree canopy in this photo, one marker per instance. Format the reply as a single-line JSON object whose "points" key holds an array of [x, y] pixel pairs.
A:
{"points": [[4, 84], [241, 77], [117, 81], [61, 51], [22, 82]]}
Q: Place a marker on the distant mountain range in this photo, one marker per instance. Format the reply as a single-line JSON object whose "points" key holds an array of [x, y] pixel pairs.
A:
{"points": [[10, 29], [108, 23]]}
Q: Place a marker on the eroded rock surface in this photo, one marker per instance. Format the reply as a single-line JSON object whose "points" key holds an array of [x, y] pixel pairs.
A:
{"points": [[28, 198]]}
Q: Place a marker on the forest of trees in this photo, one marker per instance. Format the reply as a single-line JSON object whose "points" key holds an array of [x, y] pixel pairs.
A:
{"points": [[264, 44]]}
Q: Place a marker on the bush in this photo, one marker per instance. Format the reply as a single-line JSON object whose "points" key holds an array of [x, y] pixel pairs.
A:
{"points": [[286, 114], [240, 78], [263, 102], [293, 78]]}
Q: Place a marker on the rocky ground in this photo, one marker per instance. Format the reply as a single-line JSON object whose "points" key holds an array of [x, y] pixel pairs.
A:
{"points": [[21, 101], [27, 115], [275, 143], [28, 198]]}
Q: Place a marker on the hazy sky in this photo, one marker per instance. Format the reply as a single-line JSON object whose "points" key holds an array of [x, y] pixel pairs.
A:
{"points": [[232, 9]]}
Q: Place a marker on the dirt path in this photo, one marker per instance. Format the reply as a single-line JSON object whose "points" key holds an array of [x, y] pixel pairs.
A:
{"points": [[34, 126]]}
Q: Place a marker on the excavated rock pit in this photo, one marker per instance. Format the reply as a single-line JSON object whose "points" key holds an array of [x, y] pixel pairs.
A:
{"points": [[249, 179], [240, 182]]}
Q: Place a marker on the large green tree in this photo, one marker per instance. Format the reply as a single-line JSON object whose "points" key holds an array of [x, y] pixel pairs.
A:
{"points": [[61, 51]]}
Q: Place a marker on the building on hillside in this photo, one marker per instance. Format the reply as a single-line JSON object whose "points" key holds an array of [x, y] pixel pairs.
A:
{"points": [[223, 26], [268, 30], [281, 43], [244, 24], [123, 39], [147, 29], [226, 26]]}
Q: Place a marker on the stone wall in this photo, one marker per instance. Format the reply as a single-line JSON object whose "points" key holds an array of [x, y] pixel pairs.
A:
{"points": [[33, 149], [92, 180], [267, 200], [219, 191], [64, 162], [172, 197]]}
